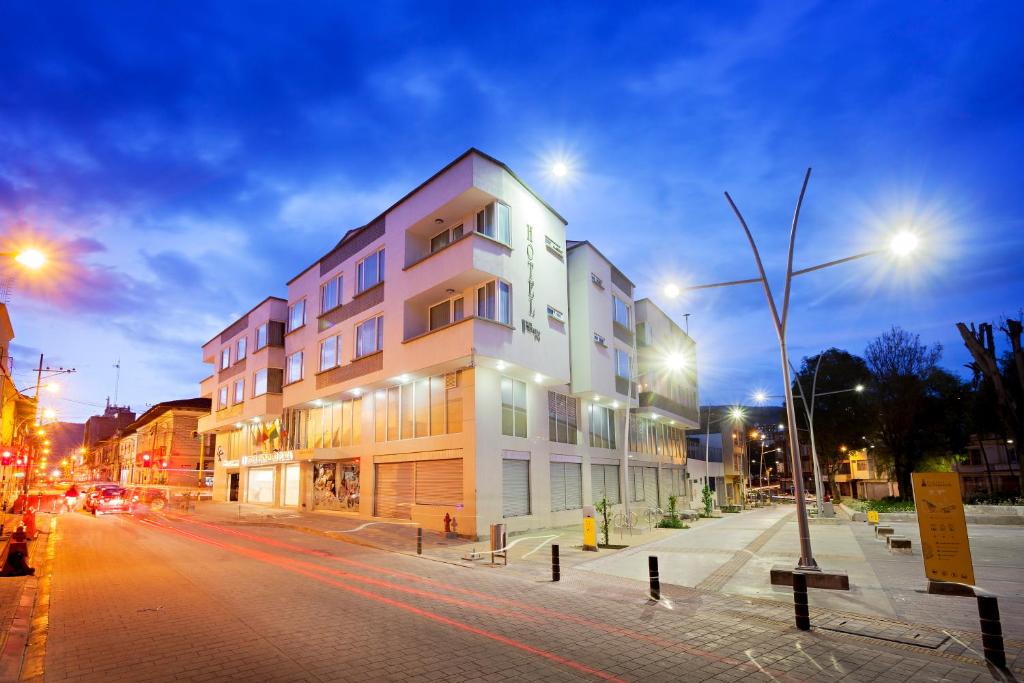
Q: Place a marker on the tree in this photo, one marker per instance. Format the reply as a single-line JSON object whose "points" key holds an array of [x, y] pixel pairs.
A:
{"points": [[910, 397], [841, 419]]}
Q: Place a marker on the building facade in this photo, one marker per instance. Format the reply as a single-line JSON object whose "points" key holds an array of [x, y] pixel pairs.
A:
{"points": [[167, 445], [454, 358], [991, 468]]}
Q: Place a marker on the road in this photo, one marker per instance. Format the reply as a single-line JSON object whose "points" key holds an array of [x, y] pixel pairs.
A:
{"points": [[168, 598]]}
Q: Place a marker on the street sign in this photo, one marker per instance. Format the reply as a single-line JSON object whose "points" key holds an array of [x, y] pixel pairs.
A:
{"points": [[872, 516], [940, 517]]}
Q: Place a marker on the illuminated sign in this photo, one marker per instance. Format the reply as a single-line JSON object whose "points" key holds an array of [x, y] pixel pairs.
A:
{"points": [[529, 271], [267, 458]]}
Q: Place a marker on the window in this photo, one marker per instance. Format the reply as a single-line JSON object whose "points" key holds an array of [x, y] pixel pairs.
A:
{"points": [[225, 357], [494, 301], [261, 336], [444, 238], [297, 315], [239, 391], [620, 311], [259, 382], [493, 221], [329, 353], [240, 350], [446, 312], [644, 334], [370, 336], [223, 397], [513, 407], [330, 294], [561, 418], [621, 364], [370, 271], [294, 367], [602, 427]]}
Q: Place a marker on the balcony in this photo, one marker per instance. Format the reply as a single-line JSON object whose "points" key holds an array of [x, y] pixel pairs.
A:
{"points": [[459, 339], [208, 386], [469, 260], [263, 406], [666, 407]]}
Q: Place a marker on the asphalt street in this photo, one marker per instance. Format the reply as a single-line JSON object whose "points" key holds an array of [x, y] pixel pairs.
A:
{"points": [[167, 598]]}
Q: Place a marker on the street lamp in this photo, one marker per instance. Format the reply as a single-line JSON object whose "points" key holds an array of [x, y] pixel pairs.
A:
{"points": [[901, 246]]}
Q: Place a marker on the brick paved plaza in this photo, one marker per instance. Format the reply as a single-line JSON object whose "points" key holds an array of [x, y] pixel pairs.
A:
{"points": [[185, 599]]}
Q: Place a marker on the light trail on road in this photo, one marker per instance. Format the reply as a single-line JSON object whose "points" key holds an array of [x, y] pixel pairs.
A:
{"points": [[521, 607], [433, 616]]}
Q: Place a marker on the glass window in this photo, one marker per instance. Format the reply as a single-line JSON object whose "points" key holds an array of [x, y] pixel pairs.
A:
{"points": [[494, 301], [223, 397], [493, 221], [329, 353], [295, 367], [504, 229], [240, 350], [261, 336], [297, 315], [330, 294], [513, 407], [437, 404], [443, 239], [370, 271], [562, 412], [370, 336], [225, 357], [259, 382], [393, 413], [239, 391], [602, 427], [620, 311], [408, 410], [422, 407], [380, 415], [622, 364], [446, 313]]}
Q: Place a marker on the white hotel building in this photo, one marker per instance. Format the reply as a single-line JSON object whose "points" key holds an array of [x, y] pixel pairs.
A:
{"points": [[455, 356]]}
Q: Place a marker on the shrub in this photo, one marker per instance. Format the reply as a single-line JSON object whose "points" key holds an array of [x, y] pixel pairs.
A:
{"points": [[708, 505], [602, 508], [672, 521]]}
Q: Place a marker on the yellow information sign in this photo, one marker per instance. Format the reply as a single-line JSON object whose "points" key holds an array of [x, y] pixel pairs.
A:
{"points": [[872, 516], [940, 517], [589, 533]]}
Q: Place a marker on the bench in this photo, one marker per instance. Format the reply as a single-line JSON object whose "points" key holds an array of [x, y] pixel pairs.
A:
{"points": [[899, 544], [882, 531]]}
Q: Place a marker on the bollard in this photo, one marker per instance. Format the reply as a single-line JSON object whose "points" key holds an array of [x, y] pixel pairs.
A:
{"points": [[652, 568], [556, 567], [991, 630], [800, 608], [419, 540]]}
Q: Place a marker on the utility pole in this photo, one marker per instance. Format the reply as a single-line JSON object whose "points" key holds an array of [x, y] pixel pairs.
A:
{"points": [[35, 443]]}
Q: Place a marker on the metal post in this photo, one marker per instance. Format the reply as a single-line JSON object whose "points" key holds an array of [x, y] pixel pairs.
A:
{"points": [[652, 568], [991, 630], [419, 540], [556, 568], [800, 606]]}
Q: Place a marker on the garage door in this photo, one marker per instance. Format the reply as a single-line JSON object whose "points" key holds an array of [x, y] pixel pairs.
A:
{"points": [[515, 488], [651, 487], [439, 482], [566, 486], [393, 490]]}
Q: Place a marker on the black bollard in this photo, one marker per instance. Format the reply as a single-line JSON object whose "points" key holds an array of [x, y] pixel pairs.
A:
{"points": [[652, 568], [800, 607], [556, 568], [419, 540], [991, 630]]}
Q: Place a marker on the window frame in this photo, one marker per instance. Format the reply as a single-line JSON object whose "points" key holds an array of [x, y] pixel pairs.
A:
{"points": [[223, 394], [616, 301], [256, 383], [225, 357], [497, 317], [495, 230], [450, 301], [378, 336], [239, 387], [629, 364], [378, 254], [265, 327], [241, 348], [288, 368], [291, 315], [339, 282], [336, 338], [516, 409], [450, 237]]}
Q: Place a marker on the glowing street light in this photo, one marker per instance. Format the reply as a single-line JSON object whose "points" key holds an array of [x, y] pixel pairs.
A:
{"points": [[52, 387], [677, 361], [559, 169], [49, 413], [672, 290], [31, 258], [903, 243]]}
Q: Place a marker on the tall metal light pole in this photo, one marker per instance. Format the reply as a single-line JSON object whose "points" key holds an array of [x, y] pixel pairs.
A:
{"points": [[902, 244]]}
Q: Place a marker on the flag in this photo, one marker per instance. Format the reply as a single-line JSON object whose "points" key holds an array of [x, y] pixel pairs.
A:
{"points": [[272, 430]]}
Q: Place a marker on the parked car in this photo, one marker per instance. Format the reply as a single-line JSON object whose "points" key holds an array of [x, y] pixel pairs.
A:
{"points": [[94, 492], [112, 499], [153, 498]]}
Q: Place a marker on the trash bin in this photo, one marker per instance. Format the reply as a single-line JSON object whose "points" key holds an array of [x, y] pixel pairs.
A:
{"points": [[498, 542]]}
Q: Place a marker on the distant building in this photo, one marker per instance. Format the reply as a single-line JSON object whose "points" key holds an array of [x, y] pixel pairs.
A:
{"points": [[101, 427], [167, 446], [992, 468], [17, 411], [859, 476]]}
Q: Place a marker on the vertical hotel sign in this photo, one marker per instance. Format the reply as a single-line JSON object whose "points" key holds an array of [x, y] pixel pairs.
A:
{"points": [[940, 517]]}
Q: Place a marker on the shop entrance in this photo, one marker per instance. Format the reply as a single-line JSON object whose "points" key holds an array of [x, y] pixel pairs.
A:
{"points": [[233, 487], [261, 486]]}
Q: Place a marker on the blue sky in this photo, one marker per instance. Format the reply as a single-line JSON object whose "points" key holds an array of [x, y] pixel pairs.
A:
{"points": [[190, 158]]}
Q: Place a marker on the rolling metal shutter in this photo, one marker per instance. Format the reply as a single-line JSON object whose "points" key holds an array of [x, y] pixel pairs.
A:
{"points": [[515, 488], [439, 482], [651, 486], [557, 486], [393, 490], [573, 485], [604, 482]]}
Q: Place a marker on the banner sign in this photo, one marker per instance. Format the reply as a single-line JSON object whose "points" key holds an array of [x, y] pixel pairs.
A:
{"points": [[940, 517], [267, 458]]}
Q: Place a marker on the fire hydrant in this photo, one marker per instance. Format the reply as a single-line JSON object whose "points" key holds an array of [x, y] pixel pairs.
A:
{"points": [[29, 520], [447, 523]]}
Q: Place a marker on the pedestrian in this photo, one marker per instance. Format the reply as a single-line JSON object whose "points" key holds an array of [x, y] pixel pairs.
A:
{"points": [[71, 498]]}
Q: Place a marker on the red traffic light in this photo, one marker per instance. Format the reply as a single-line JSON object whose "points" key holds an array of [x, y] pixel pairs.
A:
{"points": [[163, 463], [145, 456]]}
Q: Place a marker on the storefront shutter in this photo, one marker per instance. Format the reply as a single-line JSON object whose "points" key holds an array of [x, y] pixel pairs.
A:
{"points": [[515, 486], [651, 486], [393, 490], [597, 489], [439, 482], [557, 486], [573, 485]]}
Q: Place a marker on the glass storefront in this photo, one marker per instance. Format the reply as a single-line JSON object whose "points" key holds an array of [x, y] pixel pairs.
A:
{"points": [[336, 485], [260, 487], [291, 485]]}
